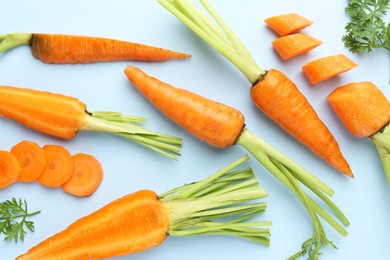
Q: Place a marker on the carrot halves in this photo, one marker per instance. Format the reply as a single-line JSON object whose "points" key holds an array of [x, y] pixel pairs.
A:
{"points": [[72, 49]]}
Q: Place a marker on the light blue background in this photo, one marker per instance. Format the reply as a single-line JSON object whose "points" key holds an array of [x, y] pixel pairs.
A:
{"points": [[129, 167]]}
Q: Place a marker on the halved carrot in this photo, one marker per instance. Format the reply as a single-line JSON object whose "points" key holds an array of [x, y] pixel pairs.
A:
{"points": [[59, 167], [86, 177], [291, 46], [10, 169], [31, 158], [327, 67], [285, 24]]}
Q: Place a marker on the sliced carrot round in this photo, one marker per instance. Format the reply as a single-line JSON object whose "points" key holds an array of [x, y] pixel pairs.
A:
{"points": [[285, 24], [31, 158], [9, 169], [293, 45], [87, 175], [59, 167]]}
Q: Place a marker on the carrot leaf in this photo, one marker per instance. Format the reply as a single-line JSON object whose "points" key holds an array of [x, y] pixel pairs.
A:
{"points": [[11, 40]]}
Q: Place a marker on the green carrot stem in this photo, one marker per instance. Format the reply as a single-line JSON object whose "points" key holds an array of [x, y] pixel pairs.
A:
{"points": [[11, 40], [381, 140]]}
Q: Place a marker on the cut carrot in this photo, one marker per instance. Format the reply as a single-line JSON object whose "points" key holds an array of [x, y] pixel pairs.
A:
{"points": [[86, 177], [327, 67], [143, 220], [285, 24], [10, 169], [59, 167], [293, 45], [31, 158], [72, 49], [362, 108]]}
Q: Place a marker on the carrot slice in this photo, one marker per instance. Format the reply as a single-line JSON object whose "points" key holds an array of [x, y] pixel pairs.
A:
{"points": [[327, 67], [285, 24], [362, 108], [87, 176], [9, 169], [293, 45], [59, 167], [31, 158]]}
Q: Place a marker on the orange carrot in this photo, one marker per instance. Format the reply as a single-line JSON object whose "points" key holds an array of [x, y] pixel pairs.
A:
{"points": [[59, 167], [285, 24], [10, 169], [73, 49], [327, 67], [86, 177], [293, 45], [31, 158], [143, 220], [64, 116]]}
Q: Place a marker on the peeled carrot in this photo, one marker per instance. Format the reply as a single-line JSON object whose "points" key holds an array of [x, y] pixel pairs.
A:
{"points": [[31, 158], [10, 169], [365, 112], [86, 177], [218, 124], [327, 67], [294, 45], [285, 24], [73, 49], [64, 116], [59, 167], [143, 220]]}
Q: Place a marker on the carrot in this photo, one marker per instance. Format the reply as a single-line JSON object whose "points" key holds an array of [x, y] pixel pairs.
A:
{"points": [[217, 124], [365, 112], [73, 49], [293, 45], [221, 38], [59, 167], [327, 67], [143, 220], [10, 169], [31, 158], [86, 177], [285, 24], [64, 116]]}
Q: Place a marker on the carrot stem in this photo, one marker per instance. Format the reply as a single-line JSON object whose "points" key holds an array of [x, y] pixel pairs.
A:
{"points": [[11, 40], [381, 140]]}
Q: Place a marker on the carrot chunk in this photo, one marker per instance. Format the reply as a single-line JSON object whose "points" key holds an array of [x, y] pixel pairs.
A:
{"points": [[291, 46], [9, 169], [327, 67], [87, 176], [31, 158], [285, 24], [59, 167]]}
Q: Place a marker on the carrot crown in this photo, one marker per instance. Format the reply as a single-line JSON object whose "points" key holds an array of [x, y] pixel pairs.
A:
{"points": [[195, 208], [11, 40]]}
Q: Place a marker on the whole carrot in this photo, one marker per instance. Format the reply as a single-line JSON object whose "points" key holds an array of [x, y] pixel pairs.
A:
{"points": [[265, 84], [223, 126], [72, 49], [64, 116], [143, 220]]}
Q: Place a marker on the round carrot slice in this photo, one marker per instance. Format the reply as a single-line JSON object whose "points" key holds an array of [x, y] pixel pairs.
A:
{"points": [[9, 168]]}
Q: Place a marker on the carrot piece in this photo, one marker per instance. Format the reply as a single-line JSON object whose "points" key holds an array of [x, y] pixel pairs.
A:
{"points": [[327, 67], [73, 49], [285, 24], [362, 108], [10, 169], [64, 116], [293, 45], [86, 177], [59, 167], [31, 158]]}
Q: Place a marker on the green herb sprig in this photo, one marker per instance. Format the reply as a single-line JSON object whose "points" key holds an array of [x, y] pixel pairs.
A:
{"points": [[10, 212]]}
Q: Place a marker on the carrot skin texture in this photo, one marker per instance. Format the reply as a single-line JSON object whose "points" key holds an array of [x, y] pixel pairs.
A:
{"points": [[10, 169], [291, 46], [73, 49], [275, 94], [54, 114], [362, 108], [198, 115], [286, 24]]}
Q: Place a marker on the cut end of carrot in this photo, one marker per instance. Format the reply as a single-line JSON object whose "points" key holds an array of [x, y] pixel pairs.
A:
{"points": [[9, 168], [87, 175], [362, 108], [327, 67], [293, 45], [286, 24]]}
